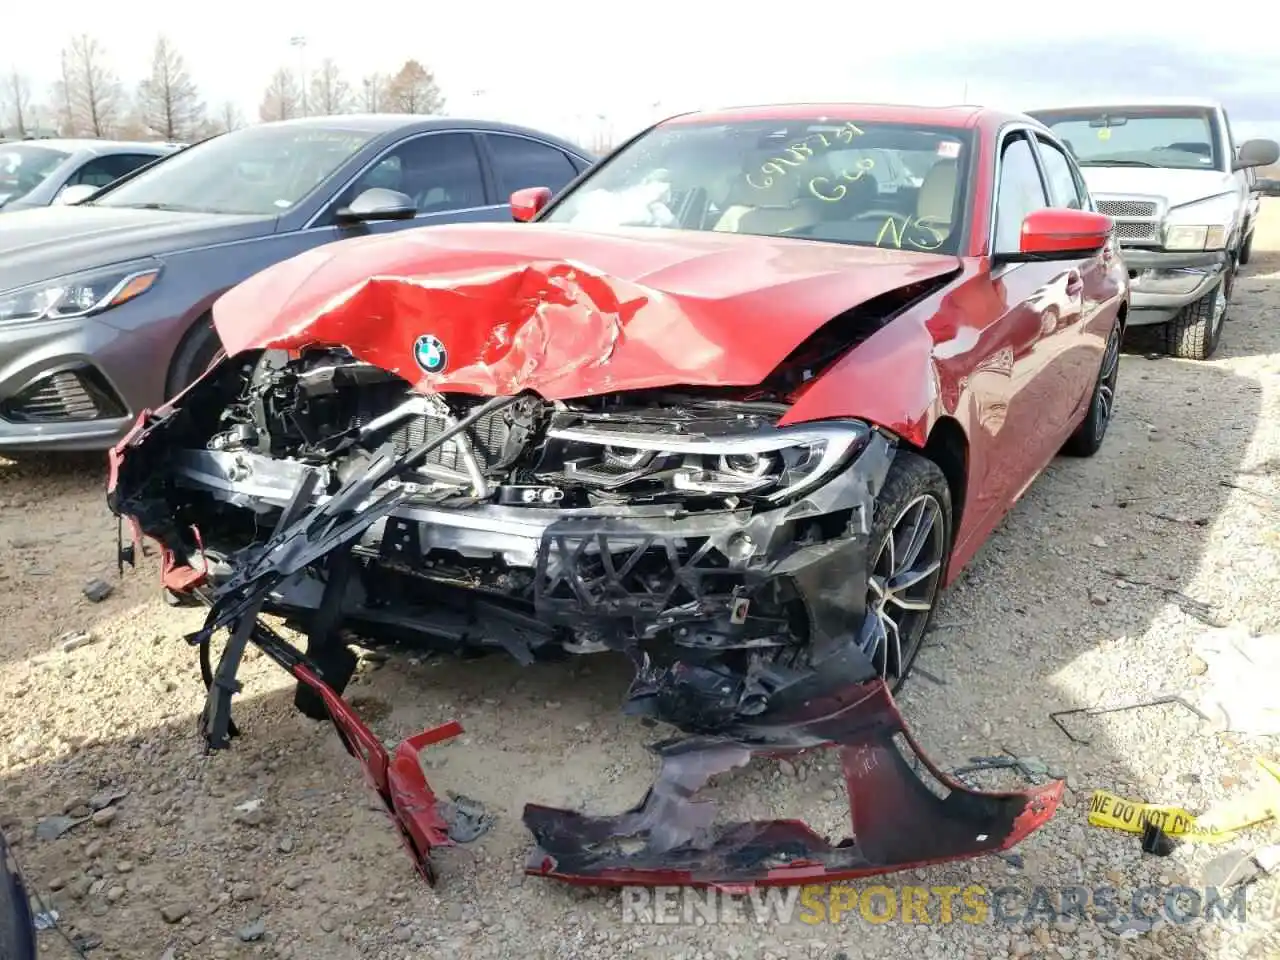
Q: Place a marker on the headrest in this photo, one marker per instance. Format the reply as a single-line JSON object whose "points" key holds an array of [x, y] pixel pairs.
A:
{"points": [[938, 192]]}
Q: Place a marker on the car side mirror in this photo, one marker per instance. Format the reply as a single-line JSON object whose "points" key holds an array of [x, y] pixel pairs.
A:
{"points": [[529, 202], [75, 194], [378, 203], [1060, 234], [1256, 153]]}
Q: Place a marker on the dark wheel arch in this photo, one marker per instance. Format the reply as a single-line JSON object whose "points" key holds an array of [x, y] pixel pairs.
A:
{"points": [[948, 448], [195, 351]]}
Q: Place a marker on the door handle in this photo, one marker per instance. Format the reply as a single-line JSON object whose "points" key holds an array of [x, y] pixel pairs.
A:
{"points": [[1075, 285]]}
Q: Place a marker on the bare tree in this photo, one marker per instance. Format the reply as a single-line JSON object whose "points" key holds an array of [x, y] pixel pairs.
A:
{"points": [[62, 90], [229, 118], [330, 93], [88, 93], [373, 93], [15, 97], [414, 90], [282, 98], [168, 102]]}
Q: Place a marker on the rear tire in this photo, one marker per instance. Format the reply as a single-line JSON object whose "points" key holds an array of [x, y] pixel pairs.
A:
{"points": [[1087, 440], [194, 355], [1195, 332]]}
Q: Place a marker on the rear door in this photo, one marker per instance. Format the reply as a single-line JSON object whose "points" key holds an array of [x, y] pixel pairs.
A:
{"points": [[1077, 353], [518, 162]]}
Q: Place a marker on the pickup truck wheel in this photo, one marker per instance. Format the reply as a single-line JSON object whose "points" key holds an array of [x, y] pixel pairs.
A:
{"points": [[1246, 251], [1194, 333]]}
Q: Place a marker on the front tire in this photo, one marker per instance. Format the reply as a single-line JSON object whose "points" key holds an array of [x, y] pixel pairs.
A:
{"points": [[911, 544], [1087, 440], [1195, 332], [193, 357], [1246, 251]]}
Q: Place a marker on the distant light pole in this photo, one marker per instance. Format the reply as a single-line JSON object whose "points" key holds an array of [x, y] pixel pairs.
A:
{"points": [[301, 43]]}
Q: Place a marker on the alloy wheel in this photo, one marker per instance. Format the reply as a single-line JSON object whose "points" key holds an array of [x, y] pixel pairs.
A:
{"points": [[1107, 378], [903, 586]]}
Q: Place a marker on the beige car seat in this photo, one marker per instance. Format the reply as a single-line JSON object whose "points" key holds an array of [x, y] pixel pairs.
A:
{"points": [[781, 206], [935, 203]]}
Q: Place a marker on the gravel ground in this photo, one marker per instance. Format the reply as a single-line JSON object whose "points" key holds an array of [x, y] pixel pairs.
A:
{"points": [[1080, 599]]}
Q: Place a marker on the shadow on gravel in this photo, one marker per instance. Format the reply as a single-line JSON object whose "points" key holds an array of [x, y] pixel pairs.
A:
{"points": [[1087, 595]]}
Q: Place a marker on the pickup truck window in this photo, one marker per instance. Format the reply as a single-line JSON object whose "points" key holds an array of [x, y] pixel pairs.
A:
{"points": [[1182, 139]]}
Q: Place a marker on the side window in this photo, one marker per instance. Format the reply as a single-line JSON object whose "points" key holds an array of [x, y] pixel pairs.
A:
{"points": [[439, 172], [520, 162], [1020, 192], [1062, 182], [103, 170]]}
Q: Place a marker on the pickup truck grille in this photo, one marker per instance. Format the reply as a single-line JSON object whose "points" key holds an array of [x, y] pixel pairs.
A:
{"points": [[1136, 232], [1127, 208], [1137, 220]]}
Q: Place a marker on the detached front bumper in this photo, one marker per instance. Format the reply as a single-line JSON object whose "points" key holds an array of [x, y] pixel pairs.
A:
{"points": [[1163, 282], [899, 819]]}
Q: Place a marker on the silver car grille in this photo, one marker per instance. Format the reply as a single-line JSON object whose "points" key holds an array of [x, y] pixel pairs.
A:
{"points": [[1137, 220]]}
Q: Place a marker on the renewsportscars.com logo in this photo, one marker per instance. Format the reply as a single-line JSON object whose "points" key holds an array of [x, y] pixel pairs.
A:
{"points": [[974, 904]]}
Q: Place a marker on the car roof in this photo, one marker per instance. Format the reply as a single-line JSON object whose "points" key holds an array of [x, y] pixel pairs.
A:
{"points": [[1198, 103], [74, 144], [959, 116], [380, 123]]}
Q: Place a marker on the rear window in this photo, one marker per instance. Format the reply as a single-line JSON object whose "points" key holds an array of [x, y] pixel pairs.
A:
{"points": [[24, 166]]}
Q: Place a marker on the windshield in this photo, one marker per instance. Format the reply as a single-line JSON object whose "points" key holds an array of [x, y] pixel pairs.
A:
{"points": [[1179, 139], [257, 170], [846, 181], [24, 166]]}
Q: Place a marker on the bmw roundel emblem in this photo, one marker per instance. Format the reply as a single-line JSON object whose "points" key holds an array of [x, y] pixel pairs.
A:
{"points": [[430, 353]]}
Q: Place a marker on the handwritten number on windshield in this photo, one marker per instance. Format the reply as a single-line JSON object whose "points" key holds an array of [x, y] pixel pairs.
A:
{"points": [[819, 186], [798, 154]]}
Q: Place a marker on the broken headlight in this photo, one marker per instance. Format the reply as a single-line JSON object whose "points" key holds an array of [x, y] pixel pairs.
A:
{"points": [[773, 463]]}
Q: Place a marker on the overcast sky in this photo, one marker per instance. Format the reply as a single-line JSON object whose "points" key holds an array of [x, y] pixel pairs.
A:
{"points": [[631, 62]]}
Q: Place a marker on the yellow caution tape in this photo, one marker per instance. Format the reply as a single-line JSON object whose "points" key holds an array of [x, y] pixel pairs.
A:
{"points": [[1218, 824]]}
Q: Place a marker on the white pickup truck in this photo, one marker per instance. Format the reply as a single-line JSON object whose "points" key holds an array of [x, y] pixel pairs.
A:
{"points": [[1178, 188]]}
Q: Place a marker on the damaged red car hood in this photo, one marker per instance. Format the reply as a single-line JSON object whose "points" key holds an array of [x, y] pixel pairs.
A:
{"points": [[495, 309]]}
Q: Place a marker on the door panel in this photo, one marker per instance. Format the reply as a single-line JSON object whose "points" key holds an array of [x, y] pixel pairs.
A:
{"points": [[1078, 351], [441, 172], [1011, 381]]}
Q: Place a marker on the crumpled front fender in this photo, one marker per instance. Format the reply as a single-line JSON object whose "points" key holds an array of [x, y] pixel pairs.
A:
{"points": [[898, 821]]}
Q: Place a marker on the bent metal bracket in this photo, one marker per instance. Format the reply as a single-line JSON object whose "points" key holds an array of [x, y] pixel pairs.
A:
{"points": [[904, 812]]}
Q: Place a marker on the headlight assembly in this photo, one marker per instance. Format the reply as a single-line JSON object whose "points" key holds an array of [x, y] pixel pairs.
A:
{"points": [[770, 463], [1204, 225], [78, 295]]}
